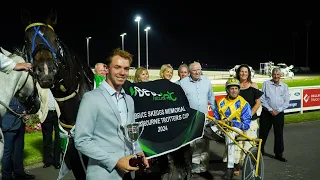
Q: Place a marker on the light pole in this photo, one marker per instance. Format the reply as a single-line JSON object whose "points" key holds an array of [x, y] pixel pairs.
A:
{"points": [[122, 37], [88, 39], [147, 59], [138, 18], [308, 24]]}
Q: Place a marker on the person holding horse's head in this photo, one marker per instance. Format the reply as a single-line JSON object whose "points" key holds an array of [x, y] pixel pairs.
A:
{"points": [[102, 116], [100, 69], [141, 75], [7, 65]]}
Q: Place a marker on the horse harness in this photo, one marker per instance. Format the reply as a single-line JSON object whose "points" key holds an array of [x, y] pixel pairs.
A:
{"points": [[57, 62]]}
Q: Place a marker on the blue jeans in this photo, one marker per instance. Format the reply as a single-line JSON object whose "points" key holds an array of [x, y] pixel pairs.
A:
{"points": [[12, 161]]}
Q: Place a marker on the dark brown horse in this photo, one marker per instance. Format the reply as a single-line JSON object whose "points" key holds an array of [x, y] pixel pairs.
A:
{"points": [[58, 68]]}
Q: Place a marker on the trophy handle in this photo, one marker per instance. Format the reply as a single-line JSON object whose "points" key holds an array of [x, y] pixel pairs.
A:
{"points": [[142, 128]]}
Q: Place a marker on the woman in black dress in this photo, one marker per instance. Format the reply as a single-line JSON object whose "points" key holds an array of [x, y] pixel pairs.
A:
{"points": [[250, 92]]}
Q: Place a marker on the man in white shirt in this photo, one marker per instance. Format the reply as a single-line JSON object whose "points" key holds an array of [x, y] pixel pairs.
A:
{"points": [[199, 92], [275, 100]]}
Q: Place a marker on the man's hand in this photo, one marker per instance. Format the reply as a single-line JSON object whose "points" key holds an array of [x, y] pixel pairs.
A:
{"points": [[274, 112], [123, 164], [27, 116], [225, 120], [23, 67], [145, 160]]}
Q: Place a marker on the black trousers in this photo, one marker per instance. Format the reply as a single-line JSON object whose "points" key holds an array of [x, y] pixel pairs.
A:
{"points": [[267, 120], [50, 124]]}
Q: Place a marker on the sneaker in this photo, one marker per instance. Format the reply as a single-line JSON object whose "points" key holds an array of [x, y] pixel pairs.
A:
{"points": [[236, 171]]}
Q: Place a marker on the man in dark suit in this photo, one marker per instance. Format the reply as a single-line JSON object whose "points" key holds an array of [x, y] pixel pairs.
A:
{"points": [[13, 132]]}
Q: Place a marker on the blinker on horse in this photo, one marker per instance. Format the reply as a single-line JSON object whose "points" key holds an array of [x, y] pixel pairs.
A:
{"points": [[58, 68]]}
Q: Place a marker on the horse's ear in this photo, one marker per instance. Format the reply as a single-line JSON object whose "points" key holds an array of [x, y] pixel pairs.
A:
{"points": [[52, 18], [25, 17]]}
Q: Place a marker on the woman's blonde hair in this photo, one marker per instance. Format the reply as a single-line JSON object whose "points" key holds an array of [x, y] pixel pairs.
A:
{"points": [[139, 71], [164, 68]]}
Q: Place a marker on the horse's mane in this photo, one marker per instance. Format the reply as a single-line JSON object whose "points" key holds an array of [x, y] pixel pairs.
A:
{"points": [[69, 59], [73, 64]]}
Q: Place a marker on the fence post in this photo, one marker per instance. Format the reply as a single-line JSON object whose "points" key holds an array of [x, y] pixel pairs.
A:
{"points": [[301, 101]]}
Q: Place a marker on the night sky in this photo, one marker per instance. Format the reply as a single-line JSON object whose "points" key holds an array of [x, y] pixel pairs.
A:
{"points": [[182, 32]]}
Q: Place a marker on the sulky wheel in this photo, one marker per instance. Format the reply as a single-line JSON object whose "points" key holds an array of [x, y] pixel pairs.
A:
{"points": [[249, 166]]}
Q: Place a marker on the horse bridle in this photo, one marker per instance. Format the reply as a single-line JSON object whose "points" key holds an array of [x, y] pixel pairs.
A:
{"points": [[57, 62], [36, 28]]}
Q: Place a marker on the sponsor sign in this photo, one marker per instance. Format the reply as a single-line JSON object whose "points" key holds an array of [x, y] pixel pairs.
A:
{"points": [[294, 104], [217, 97], [163, 109], [295, 94], [311, 97]]}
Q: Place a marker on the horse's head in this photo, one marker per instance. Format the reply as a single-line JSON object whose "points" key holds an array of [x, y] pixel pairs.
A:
{"points": [[41, 47]]}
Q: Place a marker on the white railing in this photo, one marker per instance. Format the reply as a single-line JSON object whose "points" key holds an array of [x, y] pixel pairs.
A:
{"points": [[302, 98]]}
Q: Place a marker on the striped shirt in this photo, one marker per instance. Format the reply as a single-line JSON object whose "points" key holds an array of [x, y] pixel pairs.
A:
{"points": [[275, 97]]}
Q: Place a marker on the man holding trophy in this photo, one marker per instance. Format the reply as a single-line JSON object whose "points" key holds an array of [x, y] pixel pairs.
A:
{"points": [[105, 126]]}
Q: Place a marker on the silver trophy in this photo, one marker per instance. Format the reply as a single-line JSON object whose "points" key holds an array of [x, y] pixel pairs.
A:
{"points": [[133, 133]]}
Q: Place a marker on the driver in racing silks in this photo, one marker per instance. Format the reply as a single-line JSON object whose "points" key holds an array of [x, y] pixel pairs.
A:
{"points": [[236, 112]]}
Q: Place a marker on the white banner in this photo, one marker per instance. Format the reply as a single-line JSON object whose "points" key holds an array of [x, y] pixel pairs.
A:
{"points": [[295, 93]]}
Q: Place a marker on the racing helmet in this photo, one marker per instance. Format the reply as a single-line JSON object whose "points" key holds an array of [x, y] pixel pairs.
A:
{"points": [[232, 82]]}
